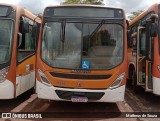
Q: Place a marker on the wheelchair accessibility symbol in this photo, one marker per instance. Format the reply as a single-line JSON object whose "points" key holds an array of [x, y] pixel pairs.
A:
{"points": [[85, 64]]}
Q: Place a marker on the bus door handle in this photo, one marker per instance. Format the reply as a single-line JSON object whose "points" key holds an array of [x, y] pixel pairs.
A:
{"points": [[140, 59]]}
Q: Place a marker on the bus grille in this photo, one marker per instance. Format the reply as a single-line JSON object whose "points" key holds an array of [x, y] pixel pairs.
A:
{"points": [[67, 95], [79, 76]]}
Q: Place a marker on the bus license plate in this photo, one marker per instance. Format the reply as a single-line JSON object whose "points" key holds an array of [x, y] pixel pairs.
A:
{"points": [[79, 99]]}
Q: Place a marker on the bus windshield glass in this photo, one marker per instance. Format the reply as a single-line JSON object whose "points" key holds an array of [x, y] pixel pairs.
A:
{"points": [[6, 32], [70, 44]]}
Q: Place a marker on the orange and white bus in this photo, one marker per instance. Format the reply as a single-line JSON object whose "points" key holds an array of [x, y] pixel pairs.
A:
{"points": [[144, 50], [82, 54], [17, 50]]}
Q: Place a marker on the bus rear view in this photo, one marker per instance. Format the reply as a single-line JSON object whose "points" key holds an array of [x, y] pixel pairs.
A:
{"points": [[82, 54]]}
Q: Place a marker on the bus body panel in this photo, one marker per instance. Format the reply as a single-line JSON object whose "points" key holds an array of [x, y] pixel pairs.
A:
{"points": [[16, 75], [155, 61], [24, 83], [156, 85], [6, 90], [25, 79], [86, 85], [155, 70], [45, 92]]}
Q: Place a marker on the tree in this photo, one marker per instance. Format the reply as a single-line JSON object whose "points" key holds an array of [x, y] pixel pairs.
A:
{"points": [[134, 14], [93, 2]]}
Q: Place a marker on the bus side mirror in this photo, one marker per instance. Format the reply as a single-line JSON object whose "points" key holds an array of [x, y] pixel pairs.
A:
{"points": [[153, 25], [19, 40], [25, 26], [154, 29]]}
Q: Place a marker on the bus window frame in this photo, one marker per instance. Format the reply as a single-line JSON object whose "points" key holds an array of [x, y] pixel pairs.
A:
{"points": [[121, 23], [22, 50], [9, 11], [140, 22], [7, 63]]}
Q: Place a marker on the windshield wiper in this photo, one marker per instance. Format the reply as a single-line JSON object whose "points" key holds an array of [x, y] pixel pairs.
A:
{"points": [[97, 28], [63, 26]]}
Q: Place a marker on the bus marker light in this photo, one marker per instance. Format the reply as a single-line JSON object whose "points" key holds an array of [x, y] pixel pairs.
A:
{"points": [[3, 74], [118, 81], [43, 78]]}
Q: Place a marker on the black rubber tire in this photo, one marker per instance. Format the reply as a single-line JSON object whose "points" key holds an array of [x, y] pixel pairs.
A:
{"points": [[129, 80], [134, 82], [33, 90]]}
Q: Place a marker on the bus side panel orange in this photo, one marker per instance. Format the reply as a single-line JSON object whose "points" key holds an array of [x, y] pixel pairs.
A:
{"points": [[22, 67], [156, 63]]}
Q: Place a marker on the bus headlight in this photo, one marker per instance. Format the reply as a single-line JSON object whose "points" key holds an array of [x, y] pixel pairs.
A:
{"points": [[118, 81], [43, 78], [3, 74]]}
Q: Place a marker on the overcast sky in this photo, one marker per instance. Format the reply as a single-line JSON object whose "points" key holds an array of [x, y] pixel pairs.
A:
{"points": [[37, 6]]}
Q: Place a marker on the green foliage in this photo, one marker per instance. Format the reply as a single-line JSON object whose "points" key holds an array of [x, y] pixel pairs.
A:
{"points": [[92, 2], [134, 14]]}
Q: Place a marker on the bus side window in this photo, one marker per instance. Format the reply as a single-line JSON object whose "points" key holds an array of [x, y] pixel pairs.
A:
{"points": [[134, 41], [142, 43], [27, 46]]}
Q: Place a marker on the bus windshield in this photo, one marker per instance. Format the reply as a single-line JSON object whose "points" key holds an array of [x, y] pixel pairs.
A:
{"points": [[6, 32], [69, 44]]}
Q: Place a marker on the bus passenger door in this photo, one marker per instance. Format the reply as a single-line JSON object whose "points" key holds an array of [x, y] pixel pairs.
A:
{"points": [[141, 56], [151, 31], [144, 58], [25, 78]]}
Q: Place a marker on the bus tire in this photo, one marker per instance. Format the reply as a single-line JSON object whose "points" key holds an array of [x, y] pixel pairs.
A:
{"points": [[129, 80], [134, 82], [33, 90]]}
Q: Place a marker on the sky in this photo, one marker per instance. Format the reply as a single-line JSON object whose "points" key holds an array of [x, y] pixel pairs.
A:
{"points": [[37, 6]]}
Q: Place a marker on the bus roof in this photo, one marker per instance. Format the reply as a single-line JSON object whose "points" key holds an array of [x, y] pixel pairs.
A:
{"points": [[12, 5], [154, 8], [84, 5]]}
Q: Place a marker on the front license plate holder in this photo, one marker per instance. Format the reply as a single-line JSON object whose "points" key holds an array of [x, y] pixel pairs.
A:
{"points": [[79, 99]]}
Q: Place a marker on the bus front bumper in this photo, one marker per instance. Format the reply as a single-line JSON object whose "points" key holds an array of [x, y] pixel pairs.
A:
{"points": [[6, 90], [49, 92]]}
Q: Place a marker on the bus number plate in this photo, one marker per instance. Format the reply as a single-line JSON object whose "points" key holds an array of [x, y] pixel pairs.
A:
{"points": [[79, 99]]}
